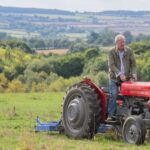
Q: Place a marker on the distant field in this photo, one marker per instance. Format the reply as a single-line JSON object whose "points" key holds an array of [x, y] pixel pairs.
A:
{"points": [[55, 16], [52, 51], [19, 33], [75, 35], [17, 120], [30, 24]]}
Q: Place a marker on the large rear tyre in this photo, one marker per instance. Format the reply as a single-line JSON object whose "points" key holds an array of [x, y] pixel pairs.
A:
{"points": [[81, 111], [134, 130]]}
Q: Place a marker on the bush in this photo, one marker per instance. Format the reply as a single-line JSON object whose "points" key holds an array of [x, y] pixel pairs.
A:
{"points": [[62, 84], [3, 82], [51, 78], [100, 79], [140, 47], [70, 66], [40, 87], [96, 65], [92, 52], [143, 67], [15, 44], [16, 86]]}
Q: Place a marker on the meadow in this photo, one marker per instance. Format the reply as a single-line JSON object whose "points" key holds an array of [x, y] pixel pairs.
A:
{"points": [[53, 51], [18, 113]]}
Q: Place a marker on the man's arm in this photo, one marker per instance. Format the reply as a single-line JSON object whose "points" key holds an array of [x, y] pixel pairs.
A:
{"points": [[111, 64]]}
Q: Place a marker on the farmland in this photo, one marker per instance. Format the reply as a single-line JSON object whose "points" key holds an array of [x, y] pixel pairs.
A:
{"points": [[53, 51], [17, 120], [43, 22]]}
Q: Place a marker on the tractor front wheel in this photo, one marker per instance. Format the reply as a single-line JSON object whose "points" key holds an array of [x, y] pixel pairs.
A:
{"points": [[134, 130]]}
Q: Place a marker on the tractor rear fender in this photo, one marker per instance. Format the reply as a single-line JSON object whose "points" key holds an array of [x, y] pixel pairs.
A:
{"points": [[102, 97]]}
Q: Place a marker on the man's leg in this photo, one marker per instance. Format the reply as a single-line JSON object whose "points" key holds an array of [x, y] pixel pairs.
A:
{"points": [[113, 92]]}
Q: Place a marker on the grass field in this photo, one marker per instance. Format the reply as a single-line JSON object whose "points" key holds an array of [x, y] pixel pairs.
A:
{"points": [[19, 33], [17, 120], [53, 51]]}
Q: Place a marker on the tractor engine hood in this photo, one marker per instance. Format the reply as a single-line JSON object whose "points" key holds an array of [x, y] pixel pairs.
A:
{"points": [[137, 89]]}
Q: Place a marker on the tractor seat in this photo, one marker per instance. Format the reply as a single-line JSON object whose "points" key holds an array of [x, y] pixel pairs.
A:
{"points": [[105, 89]]}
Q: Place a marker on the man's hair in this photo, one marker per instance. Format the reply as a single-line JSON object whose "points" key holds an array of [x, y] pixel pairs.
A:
{"points": [[119, 36]]}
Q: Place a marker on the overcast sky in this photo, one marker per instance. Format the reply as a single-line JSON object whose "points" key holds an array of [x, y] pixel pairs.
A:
{"points": [[81, 5]]}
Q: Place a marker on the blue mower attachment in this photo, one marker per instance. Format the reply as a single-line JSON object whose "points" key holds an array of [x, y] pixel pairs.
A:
{"points": [[50, 126], [56, 126]]}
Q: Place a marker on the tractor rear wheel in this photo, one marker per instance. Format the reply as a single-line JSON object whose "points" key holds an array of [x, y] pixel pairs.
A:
{"points": [[81, 111], [134, 130]]}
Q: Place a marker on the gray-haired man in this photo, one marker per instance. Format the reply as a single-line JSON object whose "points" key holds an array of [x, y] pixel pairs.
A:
{"points": [[122, 66]]}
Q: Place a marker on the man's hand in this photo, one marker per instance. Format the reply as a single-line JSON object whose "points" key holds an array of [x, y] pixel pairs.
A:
{"points": [[123, 77]]}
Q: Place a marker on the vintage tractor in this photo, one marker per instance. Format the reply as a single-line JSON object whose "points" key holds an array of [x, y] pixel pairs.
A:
{"points": [[85, 110]]}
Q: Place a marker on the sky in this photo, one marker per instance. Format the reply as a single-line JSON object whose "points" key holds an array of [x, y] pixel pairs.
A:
{"points": [[81, 5]]}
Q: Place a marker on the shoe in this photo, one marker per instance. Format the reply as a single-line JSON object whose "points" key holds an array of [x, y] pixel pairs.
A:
{"points": [[114, 117], [109, 119]]}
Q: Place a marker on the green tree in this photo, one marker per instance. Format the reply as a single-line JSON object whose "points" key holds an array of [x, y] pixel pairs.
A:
{"points": [[128, 36], [16, 86], [71, 66], [92, 52], [140, 47], [3, 82]]}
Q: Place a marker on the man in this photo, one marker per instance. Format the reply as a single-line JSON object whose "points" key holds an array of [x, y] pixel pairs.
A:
{"points": [[122, 66]]}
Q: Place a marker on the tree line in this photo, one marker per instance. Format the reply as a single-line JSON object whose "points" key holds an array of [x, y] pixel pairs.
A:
{"points": [[22, 71], [93, 39]]}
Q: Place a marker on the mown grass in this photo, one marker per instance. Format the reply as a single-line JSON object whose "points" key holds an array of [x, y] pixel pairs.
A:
{"points": [[17, 120]]}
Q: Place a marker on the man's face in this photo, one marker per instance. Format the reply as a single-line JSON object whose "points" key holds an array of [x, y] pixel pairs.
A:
{"points": [[120, 44]]}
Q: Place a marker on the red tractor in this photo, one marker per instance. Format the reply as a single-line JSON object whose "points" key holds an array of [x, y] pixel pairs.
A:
{"points": [[85, 109]]}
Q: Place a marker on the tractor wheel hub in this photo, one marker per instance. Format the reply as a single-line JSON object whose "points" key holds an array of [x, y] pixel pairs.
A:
{"points": [[75, 112]]}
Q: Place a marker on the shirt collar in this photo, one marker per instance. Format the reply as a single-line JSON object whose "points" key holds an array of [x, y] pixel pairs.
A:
{"points": [[125, 50]]}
